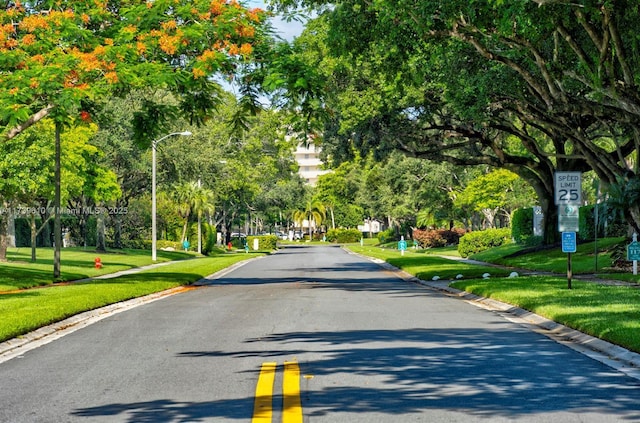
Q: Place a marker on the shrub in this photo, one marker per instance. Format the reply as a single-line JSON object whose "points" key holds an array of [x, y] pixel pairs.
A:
{"points": [[437, 237], [430, 238], [343, 236], [388, 235], [209, 239], [238, 243], [453, 235], [134, 244], [475, 242], [522, 224], [265, 242]]}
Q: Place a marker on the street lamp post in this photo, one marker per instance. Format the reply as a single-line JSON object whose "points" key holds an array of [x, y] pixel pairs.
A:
{"points": [[154, 146]]}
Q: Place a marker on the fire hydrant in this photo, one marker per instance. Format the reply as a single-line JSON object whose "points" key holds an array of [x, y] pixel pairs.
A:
{"points": [[98, 263]]}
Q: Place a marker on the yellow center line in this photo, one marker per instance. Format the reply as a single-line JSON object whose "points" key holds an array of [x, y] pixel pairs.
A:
{"points": [[291, 405], [263, 403]]}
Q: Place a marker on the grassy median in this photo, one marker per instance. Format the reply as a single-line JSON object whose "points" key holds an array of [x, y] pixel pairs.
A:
{"points": [[611, 313], [29, 309], [20, 272]]}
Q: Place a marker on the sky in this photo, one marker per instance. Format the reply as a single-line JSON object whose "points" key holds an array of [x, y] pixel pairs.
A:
{"points": [[287, 30]]}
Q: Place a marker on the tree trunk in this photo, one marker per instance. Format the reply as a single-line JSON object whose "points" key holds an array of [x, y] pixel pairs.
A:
{"points": [[11, 229], [3, 236], [57, 222], [101, 243], [34, 237], [184, 229], [117, 231]]}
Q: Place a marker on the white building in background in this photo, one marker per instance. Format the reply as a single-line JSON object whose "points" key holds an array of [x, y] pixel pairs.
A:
{"points": [[370, 226], [308, 158]]}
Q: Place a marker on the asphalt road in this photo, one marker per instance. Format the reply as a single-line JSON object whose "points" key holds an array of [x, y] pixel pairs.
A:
{"points": [[370, 347]]}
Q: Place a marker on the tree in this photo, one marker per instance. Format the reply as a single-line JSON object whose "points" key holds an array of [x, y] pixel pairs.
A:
{"points": [[202, 203], [191, 197], [60, 56], [313, 212], [493, 193], [27, 171], [530, 86]]}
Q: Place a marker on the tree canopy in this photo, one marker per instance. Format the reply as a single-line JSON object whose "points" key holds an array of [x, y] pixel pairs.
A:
{"points": [[530, 86], [58, 57]]}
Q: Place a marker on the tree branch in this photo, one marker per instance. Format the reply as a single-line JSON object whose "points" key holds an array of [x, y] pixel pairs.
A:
{"points": [[35, 118]]}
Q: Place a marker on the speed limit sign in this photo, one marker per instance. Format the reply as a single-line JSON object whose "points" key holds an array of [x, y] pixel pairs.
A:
{"points": [[568, 188]]}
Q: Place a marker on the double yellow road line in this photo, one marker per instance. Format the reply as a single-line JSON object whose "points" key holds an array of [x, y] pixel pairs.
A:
{"points": [[291, 405]]}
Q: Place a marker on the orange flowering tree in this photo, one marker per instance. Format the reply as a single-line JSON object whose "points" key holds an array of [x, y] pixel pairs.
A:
{"points": [[62, 53], [56, 57]]}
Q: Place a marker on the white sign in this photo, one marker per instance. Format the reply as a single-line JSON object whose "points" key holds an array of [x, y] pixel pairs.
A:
{"points": [[538, 218], [568, 188], [568, 218]]}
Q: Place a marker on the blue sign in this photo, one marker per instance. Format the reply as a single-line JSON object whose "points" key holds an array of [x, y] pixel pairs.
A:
{"points": [[569, 242], [402, 245], [633, 251]]}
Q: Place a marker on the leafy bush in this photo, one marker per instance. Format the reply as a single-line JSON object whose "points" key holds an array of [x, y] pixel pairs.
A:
{"points": [[343, 236], [522, 224], [437, 237], [429, 238], [388, 235], [209, 239], [238, 243], [265, 242], [475, 242]]}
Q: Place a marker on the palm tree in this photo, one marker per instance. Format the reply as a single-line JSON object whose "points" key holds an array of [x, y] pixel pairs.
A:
{"points": [[314, 211], [192, 197], [202, 203], [623, 196], [183, 193]]}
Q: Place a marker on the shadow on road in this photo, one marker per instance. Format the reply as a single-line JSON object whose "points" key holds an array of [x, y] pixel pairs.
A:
{"points": [[505, 371], [482, 374]]}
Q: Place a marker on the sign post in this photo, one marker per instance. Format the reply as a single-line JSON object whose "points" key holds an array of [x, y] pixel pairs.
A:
{"points": [[402, 246], [568, 197], [633, 252], [569, 245]]}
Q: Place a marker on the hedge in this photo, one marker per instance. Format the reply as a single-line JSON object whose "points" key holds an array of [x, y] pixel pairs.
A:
{"points": [[343, 236], [265, 242], [522, 224], [475, 242]]}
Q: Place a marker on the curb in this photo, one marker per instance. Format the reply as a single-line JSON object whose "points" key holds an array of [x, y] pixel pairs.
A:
{"points": [[614, 356], [18, 346]]}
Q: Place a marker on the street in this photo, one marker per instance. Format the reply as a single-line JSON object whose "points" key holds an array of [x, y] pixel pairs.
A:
{"points": [[370, 347]]}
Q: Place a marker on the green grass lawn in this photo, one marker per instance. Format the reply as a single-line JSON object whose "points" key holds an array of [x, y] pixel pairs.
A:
{"points": [[30, 309], [427, 265], [553, 259], [76, 263], [611, 313]]}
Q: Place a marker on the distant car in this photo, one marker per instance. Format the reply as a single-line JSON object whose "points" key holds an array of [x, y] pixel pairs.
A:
{"points": [[238, 235], [281, 235], [298, 235]]}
